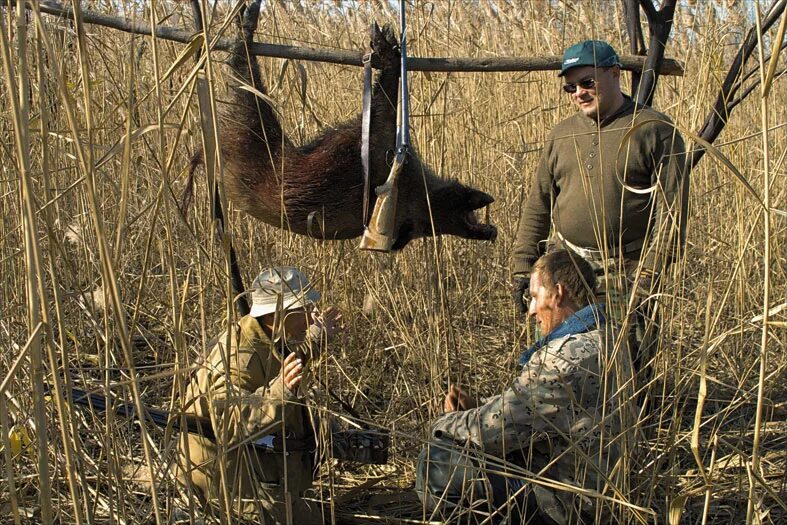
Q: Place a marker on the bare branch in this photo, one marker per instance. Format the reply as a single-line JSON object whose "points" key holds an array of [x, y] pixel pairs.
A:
{"points": [[659, 27], [636, 39], [738, 100], [753, 71], [348, 58], [197, 13], [649, 8], [719, 115]]}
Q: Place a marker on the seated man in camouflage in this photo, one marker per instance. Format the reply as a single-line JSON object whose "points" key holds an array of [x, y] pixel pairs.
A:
{"points": [[524, 456], [261, 460]]}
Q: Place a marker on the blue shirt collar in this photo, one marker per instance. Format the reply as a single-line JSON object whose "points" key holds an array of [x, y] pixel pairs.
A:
{"points": [[591, 317]]}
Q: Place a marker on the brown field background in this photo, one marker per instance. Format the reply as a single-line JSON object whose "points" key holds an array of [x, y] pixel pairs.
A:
{"points": [[110, 236]]}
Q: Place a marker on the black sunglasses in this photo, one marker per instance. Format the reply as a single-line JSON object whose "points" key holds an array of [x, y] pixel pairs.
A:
{"points": [[585, 83]]}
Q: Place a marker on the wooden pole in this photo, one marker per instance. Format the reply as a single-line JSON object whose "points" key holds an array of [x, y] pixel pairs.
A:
{"points": [[343, 57]]}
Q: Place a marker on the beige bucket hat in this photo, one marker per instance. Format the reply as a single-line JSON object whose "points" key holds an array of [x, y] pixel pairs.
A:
{"points": [[281, 287]]}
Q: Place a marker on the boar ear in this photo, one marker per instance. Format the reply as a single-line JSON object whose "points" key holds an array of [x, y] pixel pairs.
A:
{"points": [[478, 199]]}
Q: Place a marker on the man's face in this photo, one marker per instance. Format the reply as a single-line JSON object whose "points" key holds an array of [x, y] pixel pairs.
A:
{"points": [[595, 102], [544, 305], [296, 322]]}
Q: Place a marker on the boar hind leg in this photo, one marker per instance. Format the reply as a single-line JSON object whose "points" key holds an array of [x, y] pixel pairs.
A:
{"points": [[241, 122], [248, 111], [382, 136]]}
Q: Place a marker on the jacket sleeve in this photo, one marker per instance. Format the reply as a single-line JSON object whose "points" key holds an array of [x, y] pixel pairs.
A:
{"points": [[245, 401], [535, 218], [540, 401], [670, 177]]}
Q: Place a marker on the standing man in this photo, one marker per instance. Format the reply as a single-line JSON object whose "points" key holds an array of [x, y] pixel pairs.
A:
{"points": [[611, 185], [558, 422], [250, 386]]}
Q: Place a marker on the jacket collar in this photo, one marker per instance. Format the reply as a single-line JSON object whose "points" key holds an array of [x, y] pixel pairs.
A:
{"points": [[250, 333], [589, 318]]}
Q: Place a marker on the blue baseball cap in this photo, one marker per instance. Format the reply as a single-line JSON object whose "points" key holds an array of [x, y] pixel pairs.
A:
{"points": [[589, 53]]}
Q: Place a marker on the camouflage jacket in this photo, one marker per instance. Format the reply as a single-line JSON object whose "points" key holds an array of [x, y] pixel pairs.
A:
{"points": [[557, 421]]}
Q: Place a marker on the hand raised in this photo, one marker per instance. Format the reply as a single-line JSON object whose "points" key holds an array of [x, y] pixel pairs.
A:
{"points": [[330, 320], [520, 290], [457, 399], [450, 403]]}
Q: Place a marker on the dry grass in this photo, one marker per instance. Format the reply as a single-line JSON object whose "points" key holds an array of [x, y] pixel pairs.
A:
{"points": [[129, 294]]}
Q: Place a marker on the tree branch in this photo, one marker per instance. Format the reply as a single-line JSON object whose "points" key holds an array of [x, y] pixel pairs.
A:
{"points": [[753, 71], [720, 113], [636, 39], [649, 8], [348, 58], [659, 27]]}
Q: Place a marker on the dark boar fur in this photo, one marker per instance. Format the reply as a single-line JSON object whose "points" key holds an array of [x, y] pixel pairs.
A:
{"points": [[317, 189]]}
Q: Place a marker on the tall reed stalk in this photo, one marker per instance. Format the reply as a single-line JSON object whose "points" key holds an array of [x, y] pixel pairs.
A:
{"points": [[105, 286]]}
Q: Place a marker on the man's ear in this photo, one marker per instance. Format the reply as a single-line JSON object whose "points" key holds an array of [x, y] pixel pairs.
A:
{"points": [[559, 294]]}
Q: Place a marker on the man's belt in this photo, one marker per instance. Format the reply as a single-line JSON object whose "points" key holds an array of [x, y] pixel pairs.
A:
{"points": [[363, 446], [598, 255]]}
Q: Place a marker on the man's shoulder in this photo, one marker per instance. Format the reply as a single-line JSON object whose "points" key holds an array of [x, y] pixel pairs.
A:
{"points": [[647, 126], [577, 345], [594, 335], [245, 333], [655, 119], [567, 129]]}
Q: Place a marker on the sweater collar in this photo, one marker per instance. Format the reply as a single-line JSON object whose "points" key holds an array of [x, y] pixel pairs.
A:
{"points": [[627, 107]]}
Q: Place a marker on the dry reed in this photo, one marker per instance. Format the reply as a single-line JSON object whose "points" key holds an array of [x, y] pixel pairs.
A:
{"points": [[103, 283]]}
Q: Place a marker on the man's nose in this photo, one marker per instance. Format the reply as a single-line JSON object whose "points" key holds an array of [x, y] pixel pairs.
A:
{"points": [[581, 91], [531, 311]]}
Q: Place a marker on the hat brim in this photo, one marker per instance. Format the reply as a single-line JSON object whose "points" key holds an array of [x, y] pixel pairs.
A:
{"points": [[289, 301], [605, 63]]}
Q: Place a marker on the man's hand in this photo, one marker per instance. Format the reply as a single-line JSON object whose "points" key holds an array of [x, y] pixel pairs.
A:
{"points": [[329, 320], [520, 288], [457, 399], [292, 372]]}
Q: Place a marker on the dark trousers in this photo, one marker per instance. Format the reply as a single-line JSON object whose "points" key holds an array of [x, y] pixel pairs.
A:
{"points": [[455, 485], [639, 314]]}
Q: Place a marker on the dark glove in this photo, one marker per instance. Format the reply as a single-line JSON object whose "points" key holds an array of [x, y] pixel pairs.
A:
{"points": [[521, 286]]}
